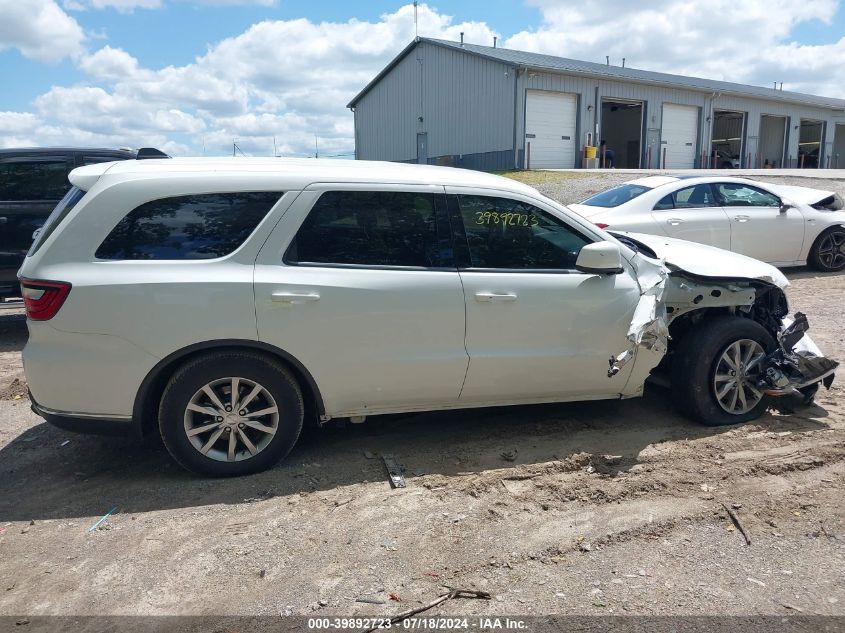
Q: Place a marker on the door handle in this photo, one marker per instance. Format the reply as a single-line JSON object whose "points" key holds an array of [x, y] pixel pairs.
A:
{"points": [[742, 218], [295, 297], [498, 297], [674, 221]]}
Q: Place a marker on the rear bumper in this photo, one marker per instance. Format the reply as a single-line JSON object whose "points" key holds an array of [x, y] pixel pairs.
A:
{"points": [[90, 424]]}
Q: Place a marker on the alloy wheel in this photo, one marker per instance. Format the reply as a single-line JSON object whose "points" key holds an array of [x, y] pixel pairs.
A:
{"points": [[832, 250], [736, 375], [231, 419]]}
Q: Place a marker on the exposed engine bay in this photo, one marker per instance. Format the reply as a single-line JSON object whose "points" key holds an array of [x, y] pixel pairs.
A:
{"points": [[674, 300]]}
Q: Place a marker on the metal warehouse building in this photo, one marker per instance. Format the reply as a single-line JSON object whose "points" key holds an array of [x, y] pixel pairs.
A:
{"points": [[482, 107]]}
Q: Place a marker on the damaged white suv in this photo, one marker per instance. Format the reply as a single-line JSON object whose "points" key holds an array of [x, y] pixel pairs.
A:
{"points": [[225, 302]]}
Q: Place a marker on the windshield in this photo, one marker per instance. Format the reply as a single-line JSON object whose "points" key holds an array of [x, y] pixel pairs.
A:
{"points": [[64, 207], [616, 196]]}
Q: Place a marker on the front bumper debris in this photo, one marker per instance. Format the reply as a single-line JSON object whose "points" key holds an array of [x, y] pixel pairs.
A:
{"points": [[796, 362]]}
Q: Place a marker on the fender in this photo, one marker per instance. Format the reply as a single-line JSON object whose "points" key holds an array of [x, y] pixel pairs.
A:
{"points": [[142, 411]]}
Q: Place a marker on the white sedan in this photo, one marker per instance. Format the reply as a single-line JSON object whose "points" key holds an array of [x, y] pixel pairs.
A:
{"points": [[784, 226]]}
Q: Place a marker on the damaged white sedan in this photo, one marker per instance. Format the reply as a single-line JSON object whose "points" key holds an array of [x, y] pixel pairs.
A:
{"points": [[782, 225], [224, 303]]}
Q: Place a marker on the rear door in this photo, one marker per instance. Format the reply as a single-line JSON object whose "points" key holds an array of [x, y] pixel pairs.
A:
{"points": [[358, 283], [759, 228], [693, 213], [30, 187]]}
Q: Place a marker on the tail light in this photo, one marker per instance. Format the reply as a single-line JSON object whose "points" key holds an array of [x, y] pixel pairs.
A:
{"points": [[602, 225], [43, 299]]}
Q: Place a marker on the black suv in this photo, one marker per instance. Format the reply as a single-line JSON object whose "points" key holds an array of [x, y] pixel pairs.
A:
{"points": [[32, 182]]}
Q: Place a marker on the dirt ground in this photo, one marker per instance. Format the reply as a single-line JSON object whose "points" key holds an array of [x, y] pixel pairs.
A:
{"points": [[601, 508]]}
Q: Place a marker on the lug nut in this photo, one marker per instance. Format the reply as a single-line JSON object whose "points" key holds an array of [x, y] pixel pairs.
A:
{"points": [[242, 412], [241, 425], [228, 408], [219, 418]]}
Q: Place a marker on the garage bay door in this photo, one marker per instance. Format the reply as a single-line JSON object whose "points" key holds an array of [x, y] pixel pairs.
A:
{"points": [[677, 136], [550, 130]]}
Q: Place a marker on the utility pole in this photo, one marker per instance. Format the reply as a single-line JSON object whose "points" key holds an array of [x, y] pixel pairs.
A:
{"points": [[416, 27], [316, 150]]}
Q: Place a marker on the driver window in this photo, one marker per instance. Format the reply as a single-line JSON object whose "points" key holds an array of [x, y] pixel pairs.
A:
{"points": [[739, 195], [509, 234]]}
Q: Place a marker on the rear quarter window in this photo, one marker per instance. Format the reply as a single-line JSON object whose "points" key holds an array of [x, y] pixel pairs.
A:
{"points": [[200, 226]]}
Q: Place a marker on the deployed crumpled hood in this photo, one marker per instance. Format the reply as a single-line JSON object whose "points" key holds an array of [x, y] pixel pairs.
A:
{"points": [[709, 261], [803, 195]]}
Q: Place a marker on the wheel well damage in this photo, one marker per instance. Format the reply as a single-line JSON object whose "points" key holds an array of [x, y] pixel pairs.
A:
{"points": [[674, 304]]}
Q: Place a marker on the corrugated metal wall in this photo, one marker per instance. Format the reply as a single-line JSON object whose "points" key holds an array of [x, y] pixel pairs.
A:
{"points": [[467, 104], [386, 123], [655, 96]]}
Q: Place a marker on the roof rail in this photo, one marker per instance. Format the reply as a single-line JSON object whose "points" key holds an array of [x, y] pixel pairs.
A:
{"points": [[150, 152]]}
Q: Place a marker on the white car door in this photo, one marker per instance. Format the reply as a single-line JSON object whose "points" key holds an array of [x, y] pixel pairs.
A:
{"points": [[693, 213], [537, 329], [759, 227], [358, 284]]}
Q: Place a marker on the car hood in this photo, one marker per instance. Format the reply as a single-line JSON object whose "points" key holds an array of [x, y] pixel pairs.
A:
{"points": [[708, 261], [804, 195]]}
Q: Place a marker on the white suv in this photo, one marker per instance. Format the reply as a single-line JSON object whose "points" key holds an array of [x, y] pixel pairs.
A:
{"points": [[225, 302]]}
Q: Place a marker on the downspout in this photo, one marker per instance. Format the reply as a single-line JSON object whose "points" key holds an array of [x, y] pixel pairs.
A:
{"points": [[515, 115]]}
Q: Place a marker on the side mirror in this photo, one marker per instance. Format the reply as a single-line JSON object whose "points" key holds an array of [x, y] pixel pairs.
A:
{"points": [[786, 205], [600, 258]]}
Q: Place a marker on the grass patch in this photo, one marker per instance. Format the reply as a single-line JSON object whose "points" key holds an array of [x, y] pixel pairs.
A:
{"points": [[535, 177]]}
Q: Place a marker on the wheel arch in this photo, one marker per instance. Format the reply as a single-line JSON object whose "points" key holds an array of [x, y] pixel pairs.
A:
{"points": [[818, 238], [148, 397]]}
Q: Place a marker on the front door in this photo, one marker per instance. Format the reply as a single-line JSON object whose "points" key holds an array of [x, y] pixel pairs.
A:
{"points": [[537, 329], [358, 284], [759, 228], [693, 213]]}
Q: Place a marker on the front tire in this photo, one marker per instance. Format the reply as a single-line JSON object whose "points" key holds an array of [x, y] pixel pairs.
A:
{"points": [[714, 371], [230, 413], [828, 252]]}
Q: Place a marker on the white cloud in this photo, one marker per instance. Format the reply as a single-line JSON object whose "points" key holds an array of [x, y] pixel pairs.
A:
{"points": [[40, 30], [128, 6], [286, 78], [292, 78], [744, 41]]}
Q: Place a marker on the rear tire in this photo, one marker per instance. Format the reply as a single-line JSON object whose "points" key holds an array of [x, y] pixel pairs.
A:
{"points": [[828, 251], [210, 432], [702, 366]]}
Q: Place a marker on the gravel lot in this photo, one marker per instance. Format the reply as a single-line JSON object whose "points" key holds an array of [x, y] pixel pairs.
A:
{"points": [[605, 508]]}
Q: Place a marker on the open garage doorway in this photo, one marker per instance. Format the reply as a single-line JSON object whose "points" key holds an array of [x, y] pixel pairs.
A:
{"points": [[810, 137], [772, 141], [726, 144], [622, 132]]}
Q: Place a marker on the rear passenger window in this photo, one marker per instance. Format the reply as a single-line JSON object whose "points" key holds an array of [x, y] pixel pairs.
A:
{"points": [[201, 226], [370, 228]]}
